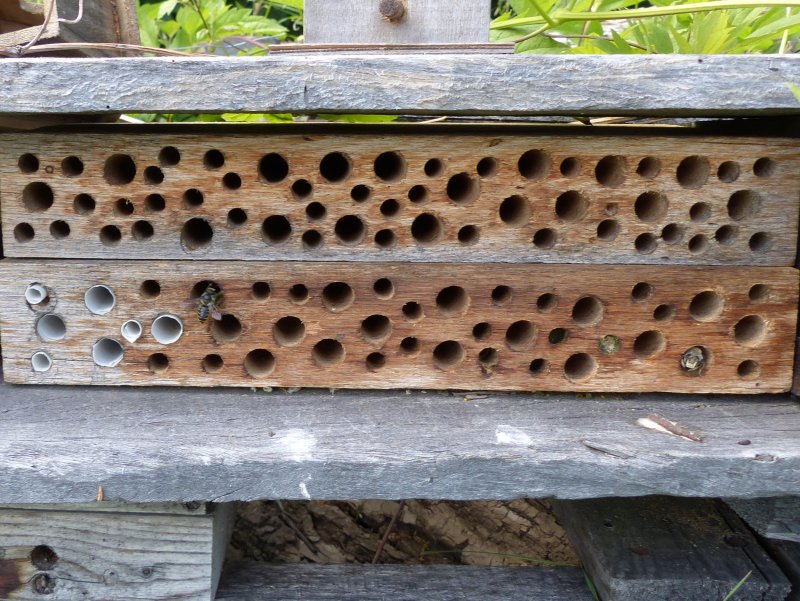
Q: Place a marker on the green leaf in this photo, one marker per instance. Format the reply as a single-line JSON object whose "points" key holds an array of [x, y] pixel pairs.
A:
{"points": [[795, 90]]}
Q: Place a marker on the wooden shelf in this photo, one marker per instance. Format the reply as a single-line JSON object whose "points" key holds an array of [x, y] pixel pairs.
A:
{"points": [[678, 85]]}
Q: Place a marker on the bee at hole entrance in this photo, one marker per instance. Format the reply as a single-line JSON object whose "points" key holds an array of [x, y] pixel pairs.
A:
{"points": [[208, 304]]}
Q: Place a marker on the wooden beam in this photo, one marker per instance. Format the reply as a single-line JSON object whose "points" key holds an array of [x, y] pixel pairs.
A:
{"points": [[662, 548], [168, 445], [776, 517], [679, 85]]}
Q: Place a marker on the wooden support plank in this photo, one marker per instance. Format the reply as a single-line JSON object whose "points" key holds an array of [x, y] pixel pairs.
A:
{"points": [[389, 325], [167, 445], [122, 555], [662, 548], [425, 194], [261, 582], [787, 555], [677, 85], [776, 517]]}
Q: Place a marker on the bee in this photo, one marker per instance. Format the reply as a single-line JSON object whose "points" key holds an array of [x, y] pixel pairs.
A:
{"points": [[208, 303], [694, 360]]}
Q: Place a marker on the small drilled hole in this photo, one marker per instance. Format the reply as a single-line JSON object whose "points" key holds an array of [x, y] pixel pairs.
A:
{"points": [[298, 294], [212, 364], [728, 172], [748, 370], [502, 295], [534, 164], [169, 156], [750, 330], [158, 363], [110, 235], [571, 206], [119, 169], [375, 361], [642, 292], [383, 288], [302, 189], [150, 289], [260, 291], [645, 243], [361, 193], [764, 167], [259, 363], [434, 168], [743, 204], [588, 311], [608, 230], [276, 229], [237, 218], [557, 335], [664, 313], [327, 353], [545, 239], [142, 231], [410, 346], [672, 233], [232, 181], [316, 211], [43, 558], [649, 344], [153, 176], [350, 230], [289, 331], [312, 239], [651, 206], [413, 311], [72, 166], [570, 167], [610, 171], [385, 239], [546, 302], [227, 329], [580, 367], [28, 163], [375, 329], [427, 229], [59, 230], [700, 212], [463, 188], [726, 234], [23, 232], [213, 159], [337, 296], [196, 234], [123, 207], [698, 244], [488, 167], [693, 172], [390, 208], [448, 355], [469, 234], [390, 167], [759, 292], [154, 203], [761, 242], [515, 210], [648, 168], [274, 168], [539, 367], [84, 204], [418, 194], [335, 167], [37, 197], [482, 331], [452, 301], [706, 306], [193, 198], [520, 335]]}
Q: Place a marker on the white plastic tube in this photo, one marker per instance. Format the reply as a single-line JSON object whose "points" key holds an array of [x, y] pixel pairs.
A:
{"points": [[167, 329], [51, 327], [41, 362], [35, 294], [131, 330], [107, 352], [100, 299]]}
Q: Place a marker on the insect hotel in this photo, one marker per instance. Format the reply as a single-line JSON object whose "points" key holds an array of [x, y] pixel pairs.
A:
{"points": [[158, 281]]}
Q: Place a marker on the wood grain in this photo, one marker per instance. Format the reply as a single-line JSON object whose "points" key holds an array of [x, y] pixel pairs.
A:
{"points": [[446, 84], [492, 195], [386, 325]]}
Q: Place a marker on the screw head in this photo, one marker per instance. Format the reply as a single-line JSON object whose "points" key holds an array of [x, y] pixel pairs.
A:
{"points": [[393, 11]]}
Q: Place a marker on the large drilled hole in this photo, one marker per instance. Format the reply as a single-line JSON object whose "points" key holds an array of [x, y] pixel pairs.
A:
{"points": [[150, 289], [651, 206], [588, 311], [750, 330], [193, 198], [764, 167], [728, 172], [698, 244], [169, 156], [649, 344], [545, 239], [236, 218], [142, 231], [693, 172], [546, 302], [390, 167], [610, 171], [107, 352], [259, 363], [390, 208], [227, 329], [502, 295], [487, 167], [123, 207], [375, 361], [452, 300], [196, 234], [672, 233], [337, 296], [748, 370], [37, 197], [28, 163], [43, 558], [276, 229], [84, 204], [153, 175], [418, 194], [469, 234], [608, 230], [298, 294], [361, 193], [213, 159], [158, 363], [350, 230], [213, 363], [413, 311], [648, 168], [274, 168], [759, 292], [302, 189], [700, 212], [316, 211], [571, 206], [110, 235], [642, 292], [375, 329], [515, 210], [154, 203], [645, 244], [706, 306], [335, 167], [463, 188], [59, 230], [327, 353], [580, 367], [427, 229], [760, 242], [312, 239], [166, 329], [119, 169], [383, 288], [726, 234], [72, 166], [448, 355], [385, 239], [260, 291], [231, 181], [664, 312], [482, 331], [534, 164], [570, 167], [434, 168], [23, 232], [410, 346], [520, 335], [289, 331]]}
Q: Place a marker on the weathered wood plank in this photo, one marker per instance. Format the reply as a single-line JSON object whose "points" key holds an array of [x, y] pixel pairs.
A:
{"points": [[777, 517], [261, 582], [787, 556], [436, 194], [125, 556], [60, 443], [662, 548], [490, 85], [391, 325]]}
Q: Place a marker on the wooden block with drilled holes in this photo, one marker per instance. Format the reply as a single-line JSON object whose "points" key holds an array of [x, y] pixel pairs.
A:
{"points": [[437, 195], [389, 325]]}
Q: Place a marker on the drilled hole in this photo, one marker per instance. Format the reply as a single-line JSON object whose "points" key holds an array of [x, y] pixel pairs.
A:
{"points": [[110, 235], [335, 167], [539, 367], [390, 208], [571, 206], [648, 168], [123, 207], [748, 370], [546, 302], [84, 204], [664, 313], [410, 346], [232, 181], [276, 229], [59, 230], [227, 329], [515, 210], [434, 168], [153, 176], [608, 230], [502, 295], [259, 363], [327, 353], [728, 172], [587, 311], [316, 211], [413, 311], [289, 331], [487, 167], [761, 242], [212, 364], [520, 335], [213, 159], [375, 329], [672, 233], [764, 167], [700, 212], [580, 367], [649, 344], [375, 361], [72, 166], [452, 301], [759, 292], [311, 239], [28, 163], [448, 355], [193, 198], [154, 203], [302, 189], [350, 230], [469, 234], [338, 296], [23, 232], [236, 218], [158, 363], [651, 206], [610, 171], [545, 239], [534, 164], [361, 193], [706, 306], [557, 335], [169, 156], [200, 287], [196, 234], [482, 331], [642, 292], [298, 294], [385, 239], [119, 169], [43, 557], [427, 229], [142, 231], [645, 243], [750, 330], [37, 197], [726, 234], [390, 167], [260, 291], [150, 289], [273, 168], [743, 204], [418, 194], [570, 167], [488, 359], [698, 244], [463, 188]]}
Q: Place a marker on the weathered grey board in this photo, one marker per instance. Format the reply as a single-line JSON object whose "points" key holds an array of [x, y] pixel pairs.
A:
{"points": [[60, 443], [776, 517], [418, 22], [450, 84], [125, 556], [666, 548], [261, 582], [787, 556]]}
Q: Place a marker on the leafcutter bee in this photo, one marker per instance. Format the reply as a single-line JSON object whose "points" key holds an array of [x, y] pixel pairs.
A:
{"points": [[208, 303]]}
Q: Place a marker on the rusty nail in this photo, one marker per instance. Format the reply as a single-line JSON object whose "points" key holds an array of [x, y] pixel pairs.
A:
{"points": [[393, 10]]}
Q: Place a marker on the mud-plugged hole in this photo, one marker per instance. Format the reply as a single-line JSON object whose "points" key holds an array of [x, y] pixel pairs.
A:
{"points": [[327, 353], [43, 557], [259, 363], [289, 331], [489, 358]]}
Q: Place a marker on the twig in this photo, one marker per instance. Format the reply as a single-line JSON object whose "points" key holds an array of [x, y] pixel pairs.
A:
{"points": [[42, 29], [382, 544], [13, 51], [76, 19], [589, 37], [287, 519]]}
